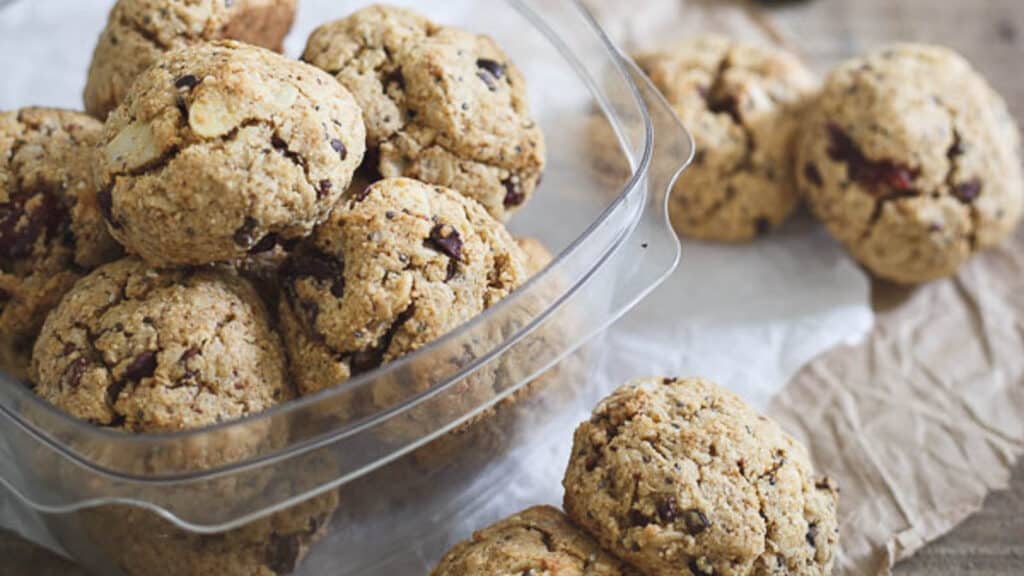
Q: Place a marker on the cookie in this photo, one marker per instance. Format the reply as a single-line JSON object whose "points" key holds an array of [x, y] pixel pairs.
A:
{"points": [[681, 477], [143, 350], [51, 231], [540, 540], [139, 32], [221, 149], [741, 104], [441, 105], [141, 543], [912, 161], [393, 269]]}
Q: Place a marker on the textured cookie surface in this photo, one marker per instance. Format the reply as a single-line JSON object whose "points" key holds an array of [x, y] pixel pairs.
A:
{"points": [[912, 161], [539, 541], [441, 105], [681, 477], [142, 543], [222, 149], [394, 268], [51, 230], [138, 32], [149, 351], [740, 103]]}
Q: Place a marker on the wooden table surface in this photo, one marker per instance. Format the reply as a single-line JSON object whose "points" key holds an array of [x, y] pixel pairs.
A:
{"points": [[991, 34]]}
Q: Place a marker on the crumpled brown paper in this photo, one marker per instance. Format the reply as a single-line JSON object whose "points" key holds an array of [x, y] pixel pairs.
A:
{"points": [[923, 418], [926, 416]]}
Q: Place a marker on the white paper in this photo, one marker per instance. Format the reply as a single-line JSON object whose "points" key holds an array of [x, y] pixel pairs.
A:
{"points": [[745, 316]]}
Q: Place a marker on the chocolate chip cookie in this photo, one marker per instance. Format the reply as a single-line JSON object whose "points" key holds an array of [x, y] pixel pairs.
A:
{"points": [[142, 543], [395, 267], [912, 161], [681, 477], [51, 231], [741, 103], [146, 350], [540, 540], [139, 32], [221, 149], [441, 105]]}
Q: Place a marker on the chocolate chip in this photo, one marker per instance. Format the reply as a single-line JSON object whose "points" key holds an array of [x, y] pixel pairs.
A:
{"points": [[492, 67], [812, 174], [966, 192], [186, 82], [514, 195], [590, 464], [446, 240], [143, 366], [668, 381], [453, 269], [114, 392], [339, 147], [323, 189], [879, 177], [488, 79], [370, 358], [72, 376], [394, 77], [190, 354], [695, 521], [696, 570], [283, 553], [668, 509], [638, 518], [266, 244], [725, 103], [244, 234], [812, 535]]}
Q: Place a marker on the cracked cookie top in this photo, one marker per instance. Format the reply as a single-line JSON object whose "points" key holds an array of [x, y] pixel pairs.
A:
{"points": [[51, 231], [912, 160], [740, 102], [396, 266], [441, 105], [679, 476], [539, 541], [144, 350], [138, 32], [221, 150]]}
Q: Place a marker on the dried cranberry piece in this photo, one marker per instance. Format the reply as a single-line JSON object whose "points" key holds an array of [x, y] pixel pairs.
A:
{"points": [[879, 177]]}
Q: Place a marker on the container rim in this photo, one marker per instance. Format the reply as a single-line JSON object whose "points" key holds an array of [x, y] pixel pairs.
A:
{"points": [[640, 168]]}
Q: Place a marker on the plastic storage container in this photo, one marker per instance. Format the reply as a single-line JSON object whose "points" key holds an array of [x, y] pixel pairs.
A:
{"points": [[466, 402]]}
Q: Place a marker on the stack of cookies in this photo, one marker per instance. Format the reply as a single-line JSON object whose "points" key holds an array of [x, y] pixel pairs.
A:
{"points": [[670, 476], [232, 229], [907, 155]]}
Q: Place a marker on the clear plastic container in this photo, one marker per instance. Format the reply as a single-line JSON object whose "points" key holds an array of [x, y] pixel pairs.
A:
{"points": [[462, 403]]}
